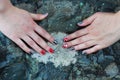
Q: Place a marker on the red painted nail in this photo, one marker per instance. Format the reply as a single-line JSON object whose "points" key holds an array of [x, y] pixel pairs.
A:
{"points": [[43, 52], [65, 39], [65, 45], [51, 50]]}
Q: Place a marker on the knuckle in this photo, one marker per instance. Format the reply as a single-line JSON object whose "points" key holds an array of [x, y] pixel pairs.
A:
{"points": [[21, 45], [77, 33], [81, 39], [38, 40], [31, 43], [86, 44], [13, 37]]}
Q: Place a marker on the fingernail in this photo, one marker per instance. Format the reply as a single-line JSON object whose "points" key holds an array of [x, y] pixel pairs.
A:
{"points": [[55, 42], [46, 14], [65, 45], [31, 51], [83, 52], [43, 52], [80, 23], [65, 39], [72, 48], [51, 50]]}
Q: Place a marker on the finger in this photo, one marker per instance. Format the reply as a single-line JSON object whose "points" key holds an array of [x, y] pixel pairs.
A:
{"points": [[22, 45], [76, 34], [33, 45], [44, 33], [79, 40], [87, 21], [92, 50], [38, 16], [39, 41], [85, 45]]}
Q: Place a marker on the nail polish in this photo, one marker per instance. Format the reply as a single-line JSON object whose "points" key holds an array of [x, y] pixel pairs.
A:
{"points": [[80, 23], [43, 52], [72, 48], [46, 14], [65, 39], [83, 52], [65, 45], [31, 52], [55, 42], [51, 50]]}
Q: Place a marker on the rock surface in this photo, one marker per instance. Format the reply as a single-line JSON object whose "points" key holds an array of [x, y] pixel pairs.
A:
{"points": [[61, 57], [63, 16]]}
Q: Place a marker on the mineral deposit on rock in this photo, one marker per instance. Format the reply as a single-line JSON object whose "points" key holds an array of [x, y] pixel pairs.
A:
{"points": [[61, 57]]}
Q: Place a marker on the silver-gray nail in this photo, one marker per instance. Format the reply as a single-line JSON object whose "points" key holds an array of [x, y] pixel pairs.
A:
{"points": [[55, 42], [80, 23], [72, 48], [83, 52]]}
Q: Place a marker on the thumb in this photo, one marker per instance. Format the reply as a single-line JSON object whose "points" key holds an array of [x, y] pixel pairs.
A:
{"points": [[39, 16], [87, 21]]}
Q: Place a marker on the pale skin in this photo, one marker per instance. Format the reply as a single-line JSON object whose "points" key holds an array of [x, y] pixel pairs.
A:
{"points": [[19, 26], [103, 30]]}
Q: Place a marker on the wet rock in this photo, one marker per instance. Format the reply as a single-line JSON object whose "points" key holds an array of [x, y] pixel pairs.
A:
{"points": [[112, 70]]}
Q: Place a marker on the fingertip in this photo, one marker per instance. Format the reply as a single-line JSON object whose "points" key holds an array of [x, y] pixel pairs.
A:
{"points": [[65, 39], [51, 50], [44, 15], [80, 23], [43, 52]]}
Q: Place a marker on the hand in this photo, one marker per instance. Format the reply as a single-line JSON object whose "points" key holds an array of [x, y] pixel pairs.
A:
{"points": [[103, 30], [18, 25]]}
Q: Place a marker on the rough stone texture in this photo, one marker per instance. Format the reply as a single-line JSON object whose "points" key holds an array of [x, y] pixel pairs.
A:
{"points": [[63, 16], [61, 57]]}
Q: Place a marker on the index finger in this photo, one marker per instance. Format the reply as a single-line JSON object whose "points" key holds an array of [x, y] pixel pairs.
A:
{"points": [[44, 33]]}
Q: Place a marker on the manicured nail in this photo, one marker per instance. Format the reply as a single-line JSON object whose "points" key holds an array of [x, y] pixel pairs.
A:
{"points": [[80, 23], [65, 39], [83, 52], [43, 52], [65, 45], [31, 52], [55, 42], [72, 48], [46, 14], [51, 50]]}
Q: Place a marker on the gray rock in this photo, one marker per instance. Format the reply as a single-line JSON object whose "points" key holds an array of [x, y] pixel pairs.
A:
{"points": [[112, 70], [63, 16]]}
